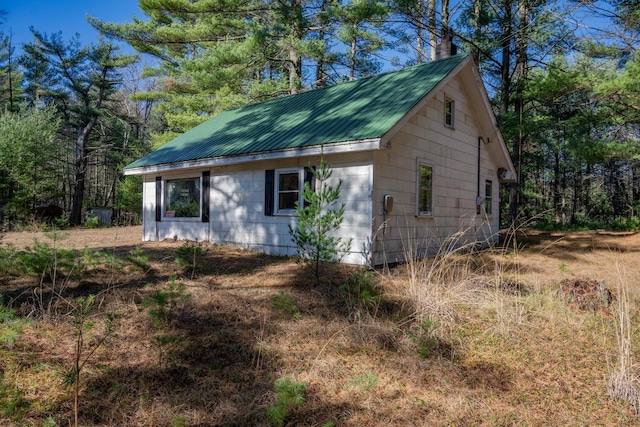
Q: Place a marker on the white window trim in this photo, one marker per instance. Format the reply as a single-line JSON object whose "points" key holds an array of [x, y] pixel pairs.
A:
{"points": [[276, 188], [424, 162], [164, 201], [453, 112]]}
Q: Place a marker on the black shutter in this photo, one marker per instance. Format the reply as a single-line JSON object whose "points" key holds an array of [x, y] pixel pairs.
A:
{"points": [[158, 198], [269, 188], [311, 180], [205, 195]]}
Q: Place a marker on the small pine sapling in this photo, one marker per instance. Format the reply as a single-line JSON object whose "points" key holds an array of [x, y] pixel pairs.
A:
{"points": [[290, 394], [318, 217], [84, 349]]}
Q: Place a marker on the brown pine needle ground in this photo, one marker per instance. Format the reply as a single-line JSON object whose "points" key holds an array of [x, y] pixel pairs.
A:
{"points": [[499, 346]]}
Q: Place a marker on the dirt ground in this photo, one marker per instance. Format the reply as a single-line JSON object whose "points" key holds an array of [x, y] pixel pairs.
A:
{"points": [[546, 242], [79, 238], [552, 242]]}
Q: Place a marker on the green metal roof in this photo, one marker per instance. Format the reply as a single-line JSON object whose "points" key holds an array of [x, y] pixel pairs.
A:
{"points": [[351, 111]]}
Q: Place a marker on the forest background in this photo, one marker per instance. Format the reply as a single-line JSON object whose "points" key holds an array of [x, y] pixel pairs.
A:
{"points": [[563, 78]]}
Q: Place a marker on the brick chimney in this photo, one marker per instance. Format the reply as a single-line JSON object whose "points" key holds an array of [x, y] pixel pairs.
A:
{"points": [[446, 48]]}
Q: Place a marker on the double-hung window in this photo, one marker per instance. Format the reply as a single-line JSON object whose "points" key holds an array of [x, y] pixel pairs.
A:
{"points": [[424, 189], [182, 198], [288, 190], [488, 197], [449, 112], [283, 188]]}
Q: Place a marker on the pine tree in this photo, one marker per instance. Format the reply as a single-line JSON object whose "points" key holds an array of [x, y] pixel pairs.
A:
{"points": [[80, 80], [318, 220]]}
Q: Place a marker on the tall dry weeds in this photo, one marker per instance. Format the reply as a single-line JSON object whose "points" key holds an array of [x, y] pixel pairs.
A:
{"points": [[438, 284], [623, 380], [460, 272]]}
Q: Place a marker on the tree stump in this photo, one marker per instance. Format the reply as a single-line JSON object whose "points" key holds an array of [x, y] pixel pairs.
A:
{"points": [[586, 294]]}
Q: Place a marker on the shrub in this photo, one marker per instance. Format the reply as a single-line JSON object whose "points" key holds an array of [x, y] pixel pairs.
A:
{"points": [[12, 402], [85, 348], [167, 344], [92, 222], [47, 261], [625, 224]]}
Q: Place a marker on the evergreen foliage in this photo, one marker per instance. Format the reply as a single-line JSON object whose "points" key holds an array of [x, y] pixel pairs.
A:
{"points": [[318, 219], [81, 81], [29, 164], [290, 393], [566, 100]]}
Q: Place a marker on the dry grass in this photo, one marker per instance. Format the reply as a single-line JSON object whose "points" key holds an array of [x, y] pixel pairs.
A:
{"points": [[502, 348], [623, 382]]}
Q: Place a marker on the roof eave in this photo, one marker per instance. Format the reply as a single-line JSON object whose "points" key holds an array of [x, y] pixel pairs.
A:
{"points": [[315, 150]]}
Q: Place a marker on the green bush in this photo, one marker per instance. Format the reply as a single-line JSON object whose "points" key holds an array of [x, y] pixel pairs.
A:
{"points": [[625, 224], [167, 345], [585, 224], [92, 222], [12, 402], [7, 261], [317, 220], [129, 195]]}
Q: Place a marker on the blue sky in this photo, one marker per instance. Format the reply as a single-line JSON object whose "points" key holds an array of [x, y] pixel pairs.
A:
{"points": [[68, 16]]}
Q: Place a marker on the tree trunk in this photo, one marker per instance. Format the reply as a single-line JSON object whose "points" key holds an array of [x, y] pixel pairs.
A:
{"points": [[295, 60], [320, 64], [505, 102], [445, 15], [433, 33], [352, 60], [420, 55], [477, 10], [75, 218], [556, 180], [81, 150]]}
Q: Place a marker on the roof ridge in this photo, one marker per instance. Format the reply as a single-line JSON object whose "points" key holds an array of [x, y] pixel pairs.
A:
{"points": [[349, 82]]}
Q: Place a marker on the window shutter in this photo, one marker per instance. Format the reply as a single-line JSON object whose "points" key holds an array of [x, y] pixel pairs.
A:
{"points": [[158, 198], [269, 183], [311, 180], [206, 177]]}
